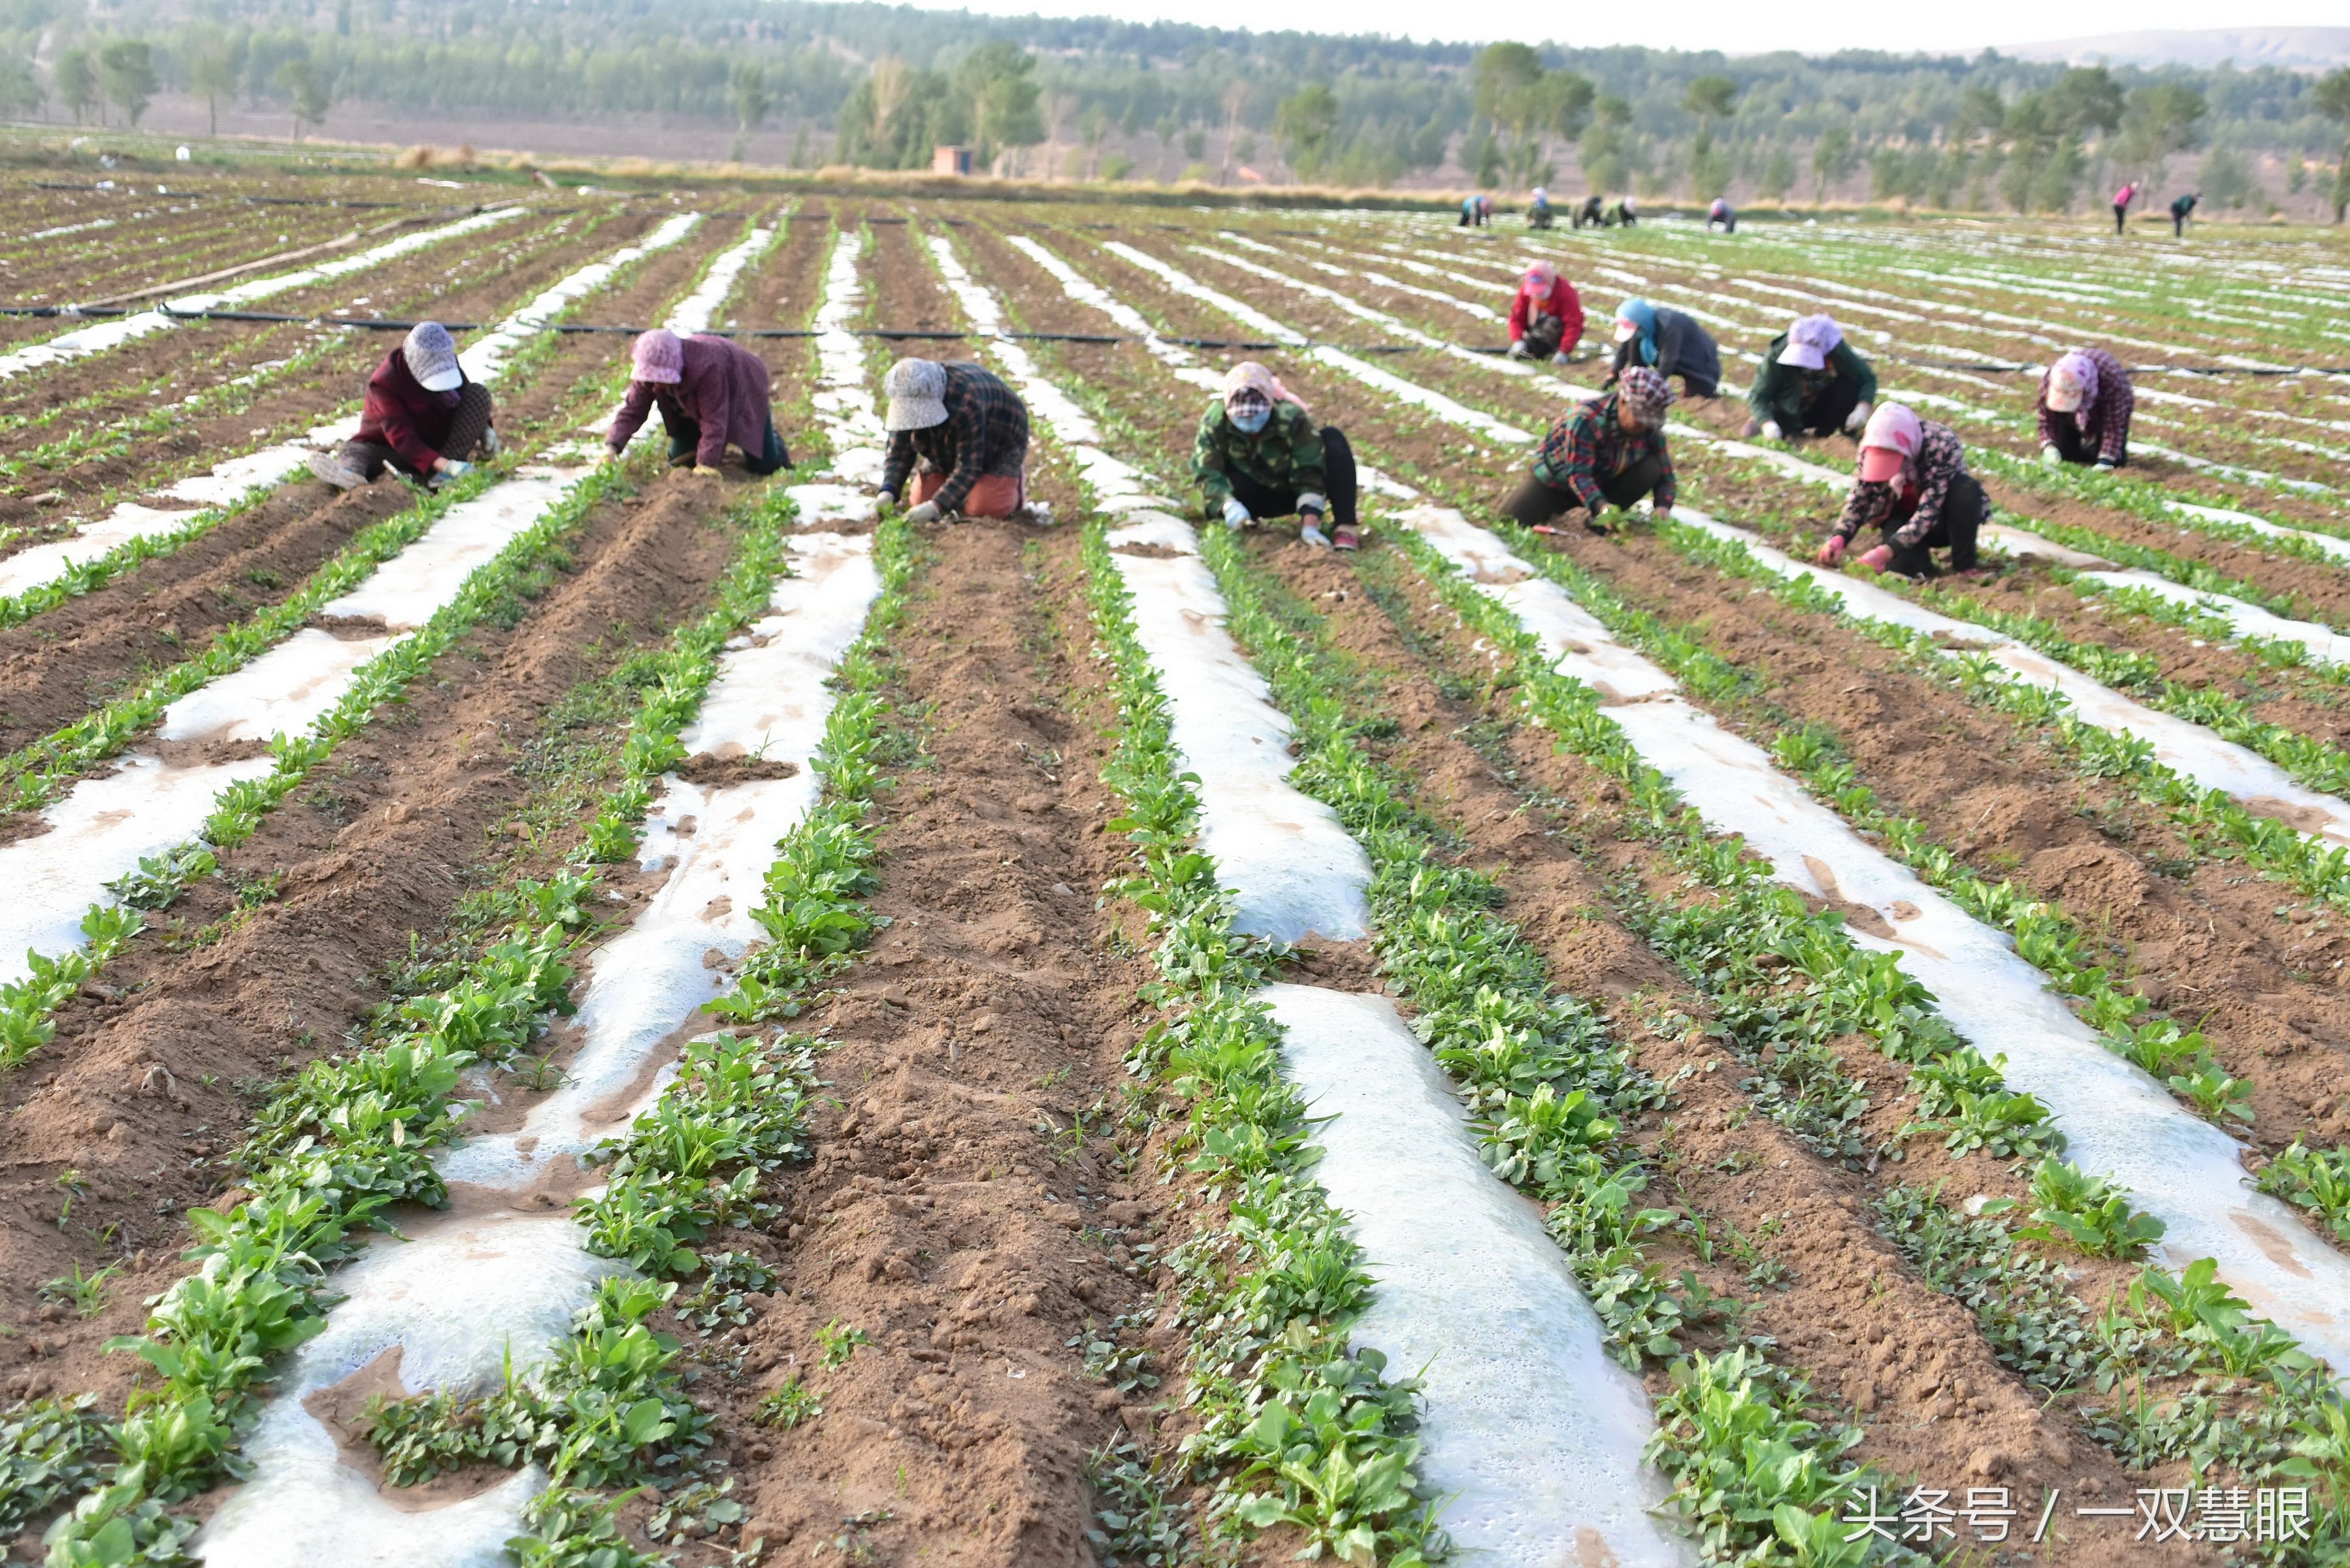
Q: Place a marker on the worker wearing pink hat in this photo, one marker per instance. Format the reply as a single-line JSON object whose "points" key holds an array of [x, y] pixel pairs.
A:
{"points": [[1913, 485]]}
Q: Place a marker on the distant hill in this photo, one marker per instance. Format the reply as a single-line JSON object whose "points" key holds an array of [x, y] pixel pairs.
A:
{"points": [[2288, 48]]}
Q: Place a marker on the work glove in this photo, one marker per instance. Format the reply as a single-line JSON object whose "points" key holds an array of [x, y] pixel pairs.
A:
{"points": [[927, 513], [1832, 550], [1236, 516], [2051, 456], [1560, 359], [886, 499], [450, 472], [1771, 430], [1311, 534], [1518, 349], [1877, 558], [1859, 415], [2105, 465]]}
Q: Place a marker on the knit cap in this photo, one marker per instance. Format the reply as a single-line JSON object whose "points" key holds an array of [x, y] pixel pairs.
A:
{"points": [[1810, 341], [2071, 382], [659, 356], [1646, 393], [431, 356], [918, 394]]}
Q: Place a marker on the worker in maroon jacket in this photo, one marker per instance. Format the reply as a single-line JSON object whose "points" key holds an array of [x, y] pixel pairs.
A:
{"points": [[1545, 317], [422, 418], [710, 393]]}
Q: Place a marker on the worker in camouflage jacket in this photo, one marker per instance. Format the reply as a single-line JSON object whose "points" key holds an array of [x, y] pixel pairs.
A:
{"points": [[1258, 453]]}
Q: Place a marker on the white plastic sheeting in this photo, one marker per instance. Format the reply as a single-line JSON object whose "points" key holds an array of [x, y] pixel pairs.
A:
{"points": [[1492, 364], [84, 341], [843, 402], [1181, 363], [2118, 1121], [698, 310], [486, 356]]}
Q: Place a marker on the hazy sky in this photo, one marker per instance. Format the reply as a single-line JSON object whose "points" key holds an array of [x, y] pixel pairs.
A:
{"points": [[1814, 26]]}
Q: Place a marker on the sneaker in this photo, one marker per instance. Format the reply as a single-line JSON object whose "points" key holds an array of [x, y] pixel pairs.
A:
{"points": [[1310, 534], [337, 469], [1347, 538]]}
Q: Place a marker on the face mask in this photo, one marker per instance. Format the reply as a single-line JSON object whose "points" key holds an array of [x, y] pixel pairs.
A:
{"points": [[1249, 420]]}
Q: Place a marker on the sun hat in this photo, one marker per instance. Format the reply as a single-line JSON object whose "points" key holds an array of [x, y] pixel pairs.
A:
{"points": [[431, 356], [918, 394], [1810, 341], [1891, 440], [1248, 376], [1540, 279], [659, 356], [2071, 382]]}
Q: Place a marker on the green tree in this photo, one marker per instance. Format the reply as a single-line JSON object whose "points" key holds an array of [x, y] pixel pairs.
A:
{"points": [[20, 88], [126, 75], [746, 85], [1306, 122], [1607, 145], [2162, 118], [1778, 174], [310, 96], [1525, 104], [1833, 161], [2087, 98], [213, 71], [77, 83], [2332, 98], [998, 81], [1710, 99]]}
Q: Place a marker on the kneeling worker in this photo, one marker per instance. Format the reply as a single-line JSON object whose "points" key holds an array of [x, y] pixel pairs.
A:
{"points": [[1545, 316], [422, 418], [2085, 403], [1258, 453], [960, 434], [1609, 452], [709, 391], [1810, 383], [1913, 485], [1668, 342]]}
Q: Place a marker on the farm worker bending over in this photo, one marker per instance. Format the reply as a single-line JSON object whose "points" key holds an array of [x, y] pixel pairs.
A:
{"points": [[1608, 452], [2179, 207], [1721, 213], [1628, 211], [422, 417], [1667, 342], [1913, 483], [1538, 210], [1259, 454], [1592, 212], [2122, 200], [960, 434], [2085, 403], [710, 392], [1545, 316], [1810, 383]]}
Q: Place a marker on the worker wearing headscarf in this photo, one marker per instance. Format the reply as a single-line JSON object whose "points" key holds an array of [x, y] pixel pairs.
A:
{"points": [[1258, 453], [423, 417], [1538, 209], [1913, 485], [1723, 214], [1545, 316], [1668, 342], [960, 435], [711, 392], [1810, 383], [2085, 403], [1593, 213], [1609, 452], [1628, 211]]}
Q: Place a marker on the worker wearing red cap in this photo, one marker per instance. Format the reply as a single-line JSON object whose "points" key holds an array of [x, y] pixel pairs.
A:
{"points": [[1914, 485]]}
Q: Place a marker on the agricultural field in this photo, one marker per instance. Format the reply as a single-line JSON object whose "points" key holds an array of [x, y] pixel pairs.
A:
{"points": [[602, 1013]]}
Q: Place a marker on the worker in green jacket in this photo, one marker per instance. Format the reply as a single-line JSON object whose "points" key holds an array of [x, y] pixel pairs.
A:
{"points": [[1259, 454], [1810, 383]]}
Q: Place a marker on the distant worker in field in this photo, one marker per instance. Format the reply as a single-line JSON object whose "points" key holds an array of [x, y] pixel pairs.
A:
{"points": [[961, 435], [1627, 212], [1258, 453], [1668, 342], [1538, 209], [1593, 213], [1810, 382], [1723, 214], [1609, 452], [1475, 210], [2085, 403], [1545, 316], [709, 391], [2180, 206], [422, 418], [2122, 200], [1913, 485]]}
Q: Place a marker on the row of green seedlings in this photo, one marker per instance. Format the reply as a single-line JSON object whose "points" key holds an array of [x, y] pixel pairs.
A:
{"points": [[1293, 1427], [610, 1418], [332, 1151], [27, 1007], [83, 577], [506, 254], [1744, 962]]}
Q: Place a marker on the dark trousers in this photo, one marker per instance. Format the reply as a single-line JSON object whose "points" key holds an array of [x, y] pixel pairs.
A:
{"points": [[1963, 511], [467, 426], [1539, 218], [1535, 502], [1337, 484], [2071, 446], [1825, 414], [685, 440], [2121, 219], [1544, 334], [2177, 225]]}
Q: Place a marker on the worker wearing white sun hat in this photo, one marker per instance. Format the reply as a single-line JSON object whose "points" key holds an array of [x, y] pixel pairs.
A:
{"points": [[1810, 382], [423, 418]]}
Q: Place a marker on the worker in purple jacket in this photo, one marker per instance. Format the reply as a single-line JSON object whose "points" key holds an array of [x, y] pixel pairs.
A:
{"points": [[710, 393]]}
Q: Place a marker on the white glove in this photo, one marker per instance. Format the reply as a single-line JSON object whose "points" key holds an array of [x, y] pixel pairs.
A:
{"points": [[1560, 359], [1518, 349], [453, 469], [2050, 455], [1311, 534], [1859, 415], [887, 498], [928, 511], [1235, 515], [1771, 430]]}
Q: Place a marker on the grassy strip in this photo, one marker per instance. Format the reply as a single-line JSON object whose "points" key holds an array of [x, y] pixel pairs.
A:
{"points": [[1293, 1427], [1548, 1093], [350, 1136]]}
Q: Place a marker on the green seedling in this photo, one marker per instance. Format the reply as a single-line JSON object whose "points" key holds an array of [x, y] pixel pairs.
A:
{"points": [[836, 1341], [85, 1294], [789, 1405]]}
